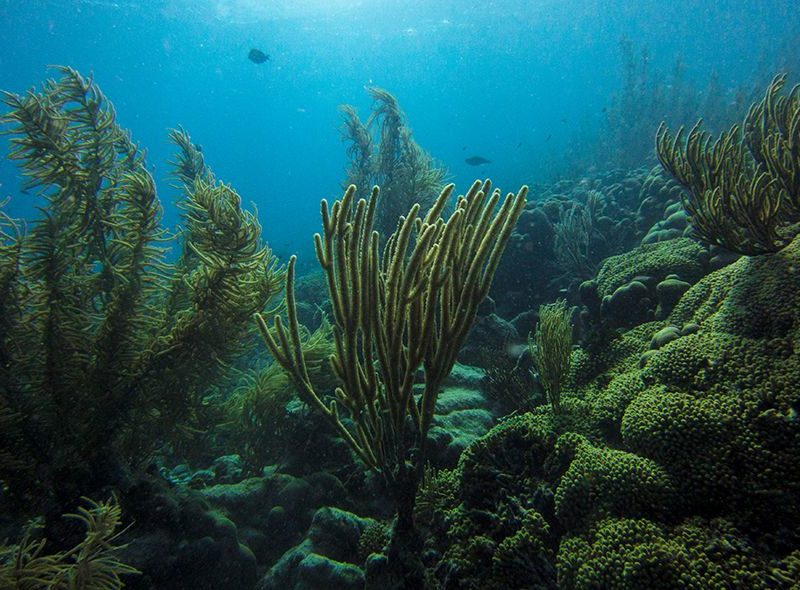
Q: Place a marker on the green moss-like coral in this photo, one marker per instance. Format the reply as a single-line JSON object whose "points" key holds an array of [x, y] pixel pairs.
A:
{"points": [[693, 438], [525, 559], [517, 448], [609, 403], [517, 542], [612, 355], [502, 507], [725, 426], [681, 256], [691, 362], [602, 482], [675, 471], [629, 554], [755, 297]]}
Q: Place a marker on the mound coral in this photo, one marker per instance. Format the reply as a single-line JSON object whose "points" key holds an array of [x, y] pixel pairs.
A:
{"points": [[638, 553], [677, 471]]}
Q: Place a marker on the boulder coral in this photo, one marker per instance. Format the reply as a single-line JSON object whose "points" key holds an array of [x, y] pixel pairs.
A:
{"points": [[681, 471]]}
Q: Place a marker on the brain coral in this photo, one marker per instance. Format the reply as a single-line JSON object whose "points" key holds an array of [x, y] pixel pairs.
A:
{"points": [[602, 482], [681, 256]]}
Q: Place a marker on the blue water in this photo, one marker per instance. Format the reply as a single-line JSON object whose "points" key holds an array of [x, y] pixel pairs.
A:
{"points": [[512, 81]]}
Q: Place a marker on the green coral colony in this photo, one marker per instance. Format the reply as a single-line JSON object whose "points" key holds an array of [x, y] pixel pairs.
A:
{"points": [[172, 417]]}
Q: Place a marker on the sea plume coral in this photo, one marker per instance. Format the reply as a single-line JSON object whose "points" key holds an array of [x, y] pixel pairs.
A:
{"points": [[408, 307], [92, 564], [383, 152], [107, 348]]}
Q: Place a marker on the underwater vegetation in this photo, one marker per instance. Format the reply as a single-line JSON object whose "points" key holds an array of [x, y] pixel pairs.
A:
{"points": [[743, 188], [408, 306], [383, 153], [92, 564], [592, 389], [108, 348], [550, 348], [257, 424]]}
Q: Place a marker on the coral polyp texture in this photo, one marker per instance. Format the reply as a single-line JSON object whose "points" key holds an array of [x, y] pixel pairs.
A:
{"points": [[679, 472]]}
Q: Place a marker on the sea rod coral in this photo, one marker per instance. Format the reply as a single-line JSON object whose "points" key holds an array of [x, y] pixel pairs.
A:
{"points": [[395, 311]]}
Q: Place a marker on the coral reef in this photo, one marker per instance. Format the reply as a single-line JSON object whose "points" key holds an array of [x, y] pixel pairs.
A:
{"points": [[661, 451], [564, 236], [679, 471]]}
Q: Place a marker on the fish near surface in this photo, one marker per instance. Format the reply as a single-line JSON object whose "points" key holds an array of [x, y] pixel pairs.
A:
{"points": [[477, 161]]}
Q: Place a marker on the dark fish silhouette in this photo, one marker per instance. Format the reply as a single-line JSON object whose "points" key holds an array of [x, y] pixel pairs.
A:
{"points": [[257, 56], [477, 161]]}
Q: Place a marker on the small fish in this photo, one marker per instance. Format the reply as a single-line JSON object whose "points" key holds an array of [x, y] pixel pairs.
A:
{"points": [[516, 350], [257, 56], [519, 145], [564, 120], [548, 138], [477, 161]]}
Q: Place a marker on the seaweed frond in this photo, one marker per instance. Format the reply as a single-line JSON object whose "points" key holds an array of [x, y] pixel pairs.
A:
{"points": [[188, 164], [225, 275], [551, 349]]}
